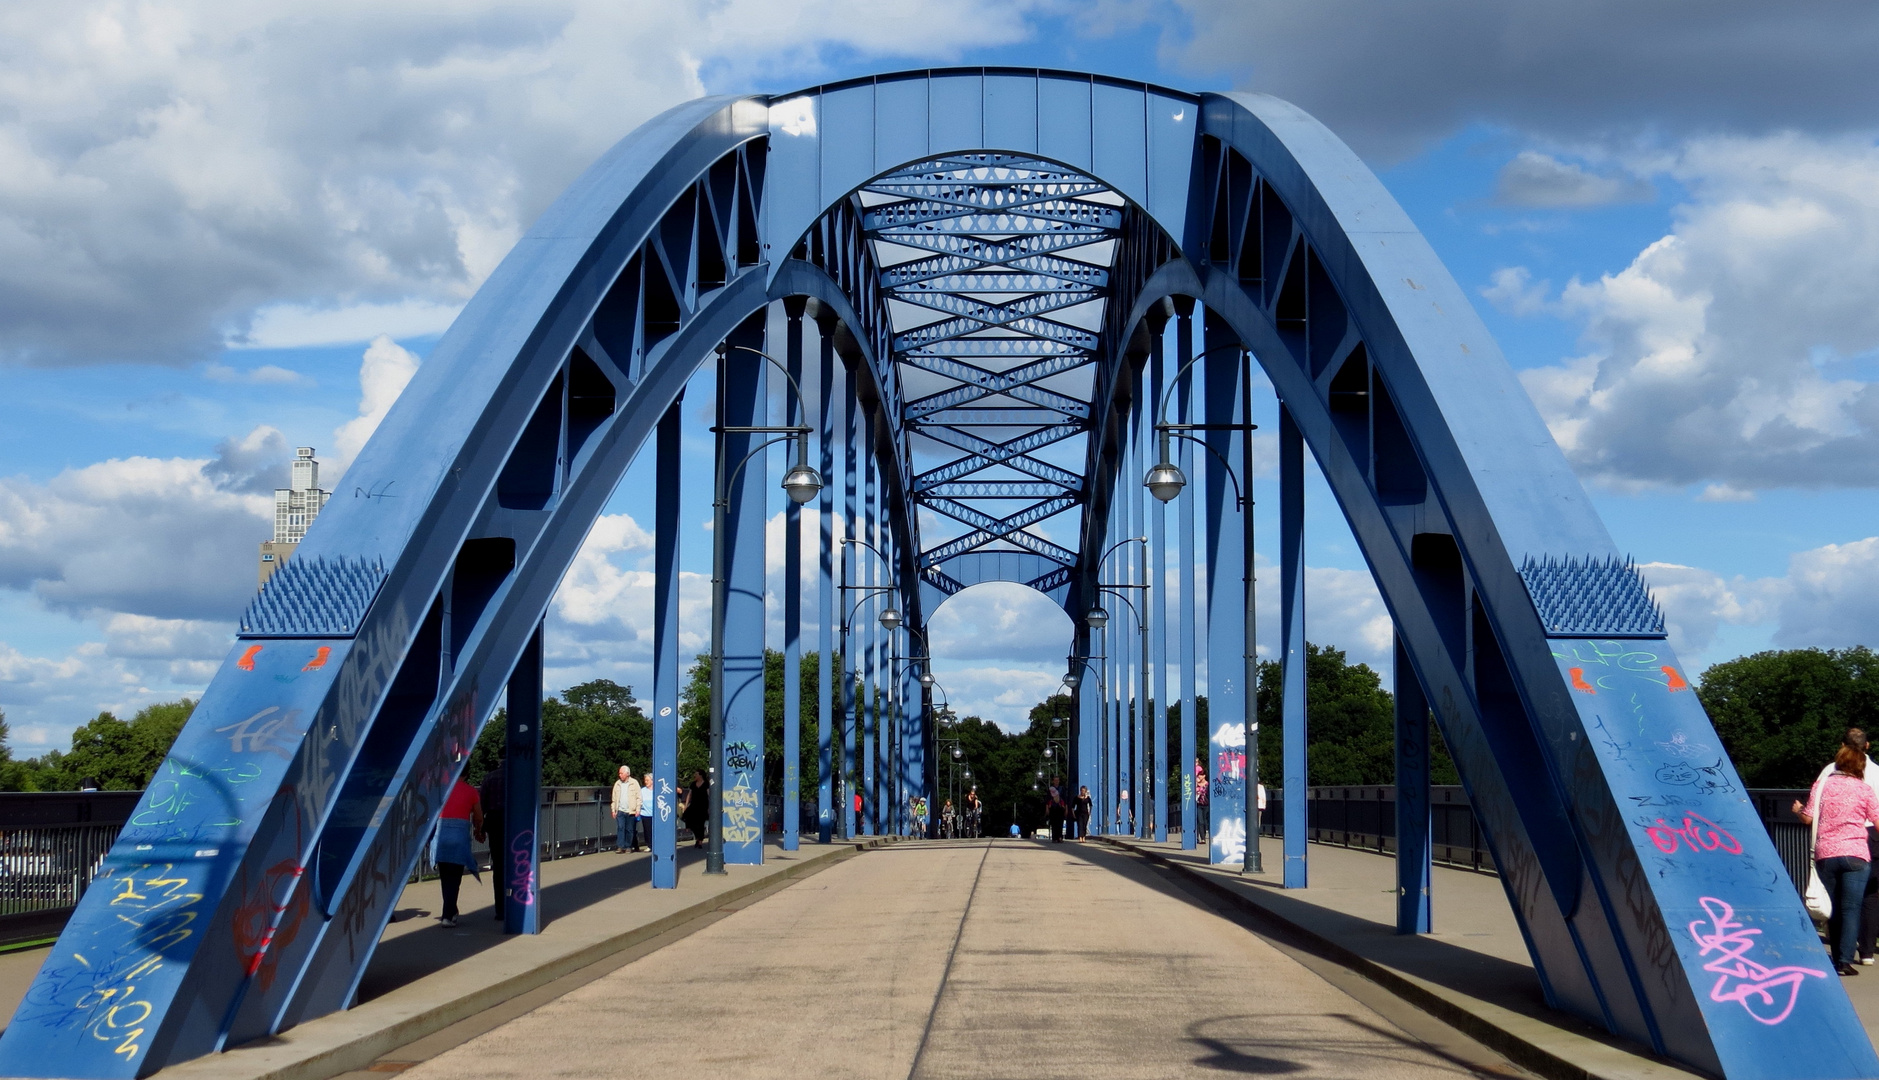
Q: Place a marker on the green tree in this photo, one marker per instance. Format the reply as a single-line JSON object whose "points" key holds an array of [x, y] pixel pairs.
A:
{"points": [[1350, 722], [115, 754], [587, 734], [1781, 714]]}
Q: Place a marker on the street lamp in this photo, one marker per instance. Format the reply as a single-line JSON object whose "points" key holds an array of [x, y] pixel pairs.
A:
{"points": [[890, 620], [802, 483], [1165, 481], [1097, 618]]}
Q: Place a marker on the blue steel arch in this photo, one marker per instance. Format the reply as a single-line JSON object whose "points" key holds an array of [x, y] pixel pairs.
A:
{"points": [[363, 672]]}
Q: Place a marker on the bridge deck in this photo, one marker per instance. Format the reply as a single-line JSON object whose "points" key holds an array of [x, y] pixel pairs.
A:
{"points": [[967, 960]]}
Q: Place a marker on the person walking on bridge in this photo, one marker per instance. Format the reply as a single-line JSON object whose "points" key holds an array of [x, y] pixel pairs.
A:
{"points": [[646, 802], [625, 810], [1055, 809], [1081, 809], [1843, 804], [696, 809], [462, 819]]}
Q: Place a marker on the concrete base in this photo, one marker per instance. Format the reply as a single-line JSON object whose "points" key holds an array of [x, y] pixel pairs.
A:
{"points": [[597, 907], [1472, 972]]}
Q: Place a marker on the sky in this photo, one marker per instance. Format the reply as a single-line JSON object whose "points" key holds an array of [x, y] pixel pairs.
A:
{"points": [[230, 228]]}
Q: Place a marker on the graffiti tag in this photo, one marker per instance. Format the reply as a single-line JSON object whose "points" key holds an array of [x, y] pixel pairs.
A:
{"points": [[1767, 994], [1707, 836], [252, 736], [740, 814]]}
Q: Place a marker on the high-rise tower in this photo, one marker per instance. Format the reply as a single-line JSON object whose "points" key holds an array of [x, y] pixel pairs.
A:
{"points": [[295, 507]]}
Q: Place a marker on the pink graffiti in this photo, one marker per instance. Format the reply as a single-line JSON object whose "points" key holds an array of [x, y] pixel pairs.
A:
{"points": [[1708, 836], [1232, 764], [1756, 988], [522, 868]]}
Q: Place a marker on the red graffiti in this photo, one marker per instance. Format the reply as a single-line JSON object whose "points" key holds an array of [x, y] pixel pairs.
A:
{"points": [[246, 663], [1232, 764], [319, 658], [1708, 836], [1768, 994], [1676, 680], [1578, 680]]}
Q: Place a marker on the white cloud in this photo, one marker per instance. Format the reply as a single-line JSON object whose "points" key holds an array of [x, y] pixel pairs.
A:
{"points": [[265, 375], [384, 372], [291, 326], [173, 175], [1541, 180], [1513, 290], [138, 535], [1728, 351]]}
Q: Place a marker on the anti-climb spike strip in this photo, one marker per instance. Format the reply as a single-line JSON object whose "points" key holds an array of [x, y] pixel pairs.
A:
{"points": [[314, 597], [1591, 597]]}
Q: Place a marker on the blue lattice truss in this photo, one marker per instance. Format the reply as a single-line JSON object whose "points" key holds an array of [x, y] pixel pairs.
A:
{"points": [[998, 269]]}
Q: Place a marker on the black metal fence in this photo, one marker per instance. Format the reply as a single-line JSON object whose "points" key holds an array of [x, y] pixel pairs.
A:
{"points": [[1365, 817], [51, 844]]}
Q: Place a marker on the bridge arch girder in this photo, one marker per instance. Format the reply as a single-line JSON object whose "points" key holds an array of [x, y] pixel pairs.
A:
{"points": [[361, 678]]}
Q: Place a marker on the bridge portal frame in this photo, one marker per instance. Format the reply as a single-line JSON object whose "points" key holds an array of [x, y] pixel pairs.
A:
{"points": [[258, 873]]}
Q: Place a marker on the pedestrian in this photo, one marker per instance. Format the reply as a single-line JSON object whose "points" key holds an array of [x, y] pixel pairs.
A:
{"points": [[625, 810], [646, 800], [859, 830], [696, 809], [1200, 801], [973, 809], [1055, 810], [1082, 808], [491, 794], [1869, 907], [462, 819], [949, 821], [1125, 814], [1843, 805]]}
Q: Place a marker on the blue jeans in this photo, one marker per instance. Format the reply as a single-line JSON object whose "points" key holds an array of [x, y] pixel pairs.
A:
{"points": [[622, 829], [645, 832], [1844, 877]]}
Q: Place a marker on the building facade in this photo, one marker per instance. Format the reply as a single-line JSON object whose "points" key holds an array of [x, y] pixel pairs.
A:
{"points": [[295, 507]]}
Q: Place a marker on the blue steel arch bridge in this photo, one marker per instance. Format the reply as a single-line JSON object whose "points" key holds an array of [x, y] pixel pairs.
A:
{"points": [[1014, 294]]}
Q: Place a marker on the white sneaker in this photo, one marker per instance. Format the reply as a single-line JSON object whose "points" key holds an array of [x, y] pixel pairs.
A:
{"points": [[1866, 960], [446, 922]]}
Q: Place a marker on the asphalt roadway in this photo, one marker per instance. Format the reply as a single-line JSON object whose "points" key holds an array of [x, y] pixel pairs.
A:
{"points": [[974, 959]]}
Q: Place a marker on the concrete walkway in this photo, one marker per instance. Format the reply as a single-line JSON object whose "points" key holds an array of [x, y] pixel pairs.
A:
{"points": [[968, 959], [600, 909], [1473, 970]]}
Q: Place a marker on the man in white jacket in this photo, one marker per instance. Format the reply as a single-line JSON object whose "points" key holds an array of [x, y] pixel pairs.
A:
{"points": [[625, 810]]}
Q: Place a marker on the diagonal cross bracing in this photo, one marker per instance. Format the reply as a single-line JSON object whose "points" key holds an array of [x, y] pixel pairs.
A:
{"points": [[1012, 453], [976, 382], [1012, 241]]}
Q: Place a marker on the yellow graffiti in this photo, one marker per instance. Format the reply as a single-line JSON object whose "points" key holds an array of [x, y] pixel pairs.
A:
{"points": [[740, 814], [158, 903]]}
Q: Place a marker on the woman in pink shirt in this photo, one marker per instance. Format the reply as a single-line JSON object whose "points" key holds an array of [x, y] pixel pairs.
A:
{"points": [[1843, 804]]}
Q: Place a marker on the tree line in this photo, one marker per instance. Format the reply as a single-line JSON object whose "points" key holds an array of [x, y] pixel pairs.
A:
{"points": [[1779, 715]]}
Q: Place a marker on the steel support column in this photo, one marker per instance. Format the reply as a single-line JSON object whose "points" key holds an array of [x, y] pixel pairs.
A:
{"points": [[1158, 595], [852, 650], [1184, 457], [518, 859], [1413, 840], [1292, 641], [793, 413], [828, 676], [1226, 605], [665, 648], [743, 401]]}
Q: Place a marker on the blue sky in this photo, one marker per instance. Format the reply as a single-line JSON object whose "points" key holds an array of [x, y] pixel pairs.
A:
{"points": [[226, 230]]}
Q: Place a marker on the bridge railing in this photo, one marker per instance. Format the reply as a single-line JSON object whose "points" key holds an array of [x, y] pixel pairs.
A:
{"points": [[52, 842], [1364, 816]]}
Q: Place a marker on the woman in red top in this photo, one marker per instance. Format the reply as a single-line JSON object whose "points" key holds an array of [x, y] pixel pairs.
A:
{"points": [[1843, 805], [462, 818]]}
